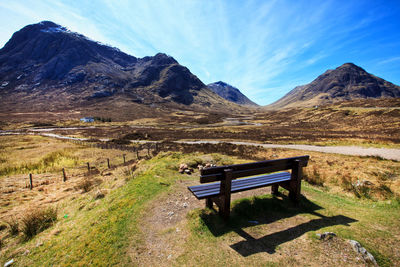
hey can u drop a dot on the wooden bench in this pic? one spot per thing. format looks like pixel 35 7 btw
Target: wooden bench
pixel 222 181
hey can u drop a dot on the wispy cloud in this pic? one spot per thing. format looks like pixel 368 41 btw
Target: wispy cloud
pixel 265 48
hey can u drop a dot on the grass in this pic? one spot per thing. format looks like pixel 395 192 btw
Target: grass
pixel 92 231
pixel 278 230
pixel 37 154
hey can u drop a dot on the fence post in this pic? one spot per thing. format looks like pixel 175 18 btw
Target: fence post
pixel 123 155
pixel 108 163
pixel 137 153
pixel 64 176
pixel 30 181
pixel 88 167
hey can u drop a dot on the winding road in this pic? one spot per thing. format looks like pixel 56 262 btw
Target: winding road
pixel 385 153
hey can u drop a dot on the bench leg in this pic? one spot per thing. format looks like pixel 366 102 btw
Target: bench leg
pixel 209 203
pixel 295 183
pixel 226 208
pixel 274 189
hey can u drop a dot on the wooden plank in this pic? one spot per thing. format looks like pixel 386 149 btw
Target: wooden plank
pixel 249 169
pixel 215 191
pixel 248 183
pixel 255 165
pixel 245 173
pixel 242 180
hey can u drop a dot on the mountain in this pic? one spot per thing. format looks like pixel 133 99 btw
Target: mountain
pixel 46 67
pixel 347 82
pixel 230 93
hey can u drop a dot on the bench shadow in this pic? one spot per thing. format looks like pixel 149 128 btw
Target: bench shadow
pixel 261 210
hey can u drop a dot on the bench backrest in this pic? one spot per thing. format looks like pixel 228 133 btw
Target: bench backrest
pixel 248 169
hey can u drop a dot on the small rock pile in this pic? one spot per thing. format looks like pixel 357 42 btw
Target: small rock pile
pixel 184 168
pixel 208 165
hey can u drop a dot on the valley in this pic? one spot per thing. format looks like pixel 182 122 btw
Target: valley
pixel 92 141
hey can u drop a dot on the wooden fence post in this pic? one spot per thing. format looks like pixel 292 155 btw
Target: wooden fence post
pixel 108 163
pixel 124 158
pixel 137 153
pixel 64 176
pixel 88 167
pixel 30 181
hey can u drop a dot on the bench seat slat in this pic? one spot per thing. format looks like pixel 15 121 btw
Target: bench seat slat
pixel 213 189
pixel 216 192
pixel 237 181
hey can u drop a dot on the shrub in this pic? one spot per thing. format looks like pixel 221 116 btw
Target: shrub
pixel 313 177
pixel 86 184
pixel 37 221
pixel 14 226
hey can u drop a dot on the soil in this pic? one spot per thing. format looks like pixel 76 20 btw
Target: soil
pixel 165 232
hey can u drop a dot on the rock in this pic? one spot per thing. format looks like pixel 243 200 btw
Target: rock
pixel 99 195
pixel 26 252
pixel 185 205
pixel 187 171
pixel 169 257
pixel 38 244
pixel 362 183
pixel 8 263
pixel 200 167
pixel 170 214
pixel 326 235
pixel 363 252
pixel 183 166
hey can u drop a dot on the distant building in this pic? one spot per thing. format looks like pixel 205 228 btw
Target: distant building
pixel 87 119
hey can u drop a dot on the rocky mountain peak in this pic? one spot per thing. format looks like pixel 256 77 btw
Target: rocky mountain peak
pixel 230 93
pixel 346 82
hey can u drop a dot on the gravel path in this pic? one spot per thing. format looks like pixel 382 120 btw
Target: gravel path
pixel 386 153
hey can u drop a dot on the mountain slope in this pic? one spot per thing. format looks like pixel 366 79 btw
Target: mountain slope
pixel 52 68
pixel 230 93
pixel 347 82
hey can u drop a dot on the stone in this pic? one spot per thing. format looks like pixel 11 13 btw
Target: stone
pixel 8 263
pixel 26 252
pixel 185 205
pixel 98 195
pixel 363 252
pixel 326 235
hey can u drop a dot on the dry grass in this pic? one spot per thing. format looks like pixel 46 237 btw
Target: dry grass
pixel 337 173
pixel 37 220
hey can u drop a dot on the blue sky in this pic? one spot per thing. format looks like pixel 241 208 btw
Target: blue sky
pixel 264 48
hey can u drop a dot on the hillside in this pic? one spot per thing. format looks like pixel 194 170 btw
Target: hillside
pixel 140 213
pixel 51 68
pixel 347 82
pixel 231 93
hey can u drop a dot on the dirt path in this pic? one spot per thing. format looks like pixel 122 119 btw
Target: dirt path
pixel 166 234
